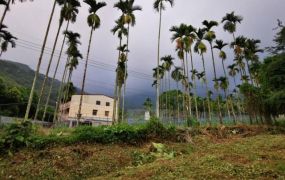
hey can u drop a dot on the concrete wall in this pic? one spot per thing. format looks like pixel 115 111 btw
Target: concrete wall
pixel 89 104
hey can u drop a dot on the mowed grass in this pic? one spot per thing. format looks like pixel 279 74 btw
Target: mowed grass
pixel 256 157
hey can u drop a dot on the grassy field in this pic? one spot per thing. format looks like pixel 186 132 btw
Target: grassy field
pixel 207 156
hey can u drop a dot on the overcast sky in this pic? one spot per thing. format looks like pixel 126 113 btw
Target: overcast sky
pixel 28 22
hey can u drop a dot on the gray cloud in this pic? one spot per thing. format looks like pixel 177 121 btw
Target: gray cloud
pixel 29 20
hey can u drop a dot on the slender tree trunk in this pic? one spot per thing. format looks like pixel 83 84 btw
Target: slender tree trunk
pixel 158 58
pixel 125 74
pixel 169 102
pixel 250 76
pixel 60 92
pixel 238 101
pixel 65 97
pixel 4 13
pixel 189 99
pixel 227 104
pixel 84 77
pixel 39 64
pixel 194 86
pixel 114 120
pixel 207 89
pixel 119 101
pixel 177 99
pixel 55 72
pixel 217 90
pixel 230 98
pixel 47 71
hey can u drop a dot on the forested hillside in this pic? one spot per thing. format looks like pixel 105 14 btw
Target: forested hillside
pixel 21 75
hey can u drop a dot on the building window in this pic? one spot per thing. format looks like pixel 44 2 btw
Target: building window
pixel 98 103
pixel 107 104
pixel 95 112
pixel 107 113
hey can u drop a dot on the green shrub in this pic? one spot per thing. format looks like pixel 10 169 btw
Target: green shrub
pixel 16 135
pixel 192 122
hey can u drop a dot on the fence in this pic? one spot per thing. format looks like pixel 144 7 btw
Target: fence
pixel 4 120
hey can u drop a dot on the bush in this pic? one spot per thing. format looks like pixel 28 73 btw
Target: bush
pixel 192 122
pixel 16 135
pixel 20 135
pixel 154 128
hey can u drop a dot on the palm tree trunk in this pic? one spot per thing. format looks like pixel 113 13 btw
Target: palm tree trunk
pixel 177 100
pixel 125 75
pixel 60 91
pixel 207 89
pixel 66 92
pixel 84 77
pixel 39 64
pixel 194 86
pixel 230 98
pixel 189 99
pixel 169 103
pixel 4 13
pixel 217 90
pixel 47 71
pixel 55 72
pixel 158 58
pixel 119 101
pixel 238 101
pixel 250 76
pixel 114 120
pixel 228 109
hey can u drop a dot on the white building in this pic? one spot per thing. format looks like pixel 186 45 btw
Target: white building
pixel 96 110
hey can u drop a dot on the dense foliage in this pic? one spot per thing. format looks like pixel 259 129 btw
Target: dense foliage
pixel 267 99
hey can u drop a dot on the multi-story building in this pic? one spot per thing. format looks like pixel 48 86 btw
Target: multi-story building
pixel 96 110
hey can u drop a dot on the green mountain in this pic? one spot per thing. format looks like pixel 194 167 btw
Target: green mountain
pixel 21 75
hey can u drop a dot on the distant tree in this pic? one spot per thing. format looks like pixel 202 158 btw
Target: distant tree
pixel 148 104
pixel 39 64
pixel 279 40
pixel 94 22
pixel 159 6
pixel 231 21
pixel 68 13
pixel 6 39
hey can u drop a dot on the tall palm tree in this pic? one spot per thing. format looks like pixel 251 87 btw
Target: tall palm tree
pixel 210 36
pixel 73 56
pixel 127 8
pixel 251 48
pixel 222 54
pixel 181 36
pixel 94 22
pixel 68 13
pixel 159 6
pixel 239 46
pixel 201 49
pixel 70 7
pixel 220 45
pixel 176 75
pixel 121 78
pixel 39 64
pixel 161 74
pixel 224 86
pixel 231 21
pixel 189 41
pixel 121 30
pixel 233 71
pixel 6 39
pixel 167 64
pixel 7 7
